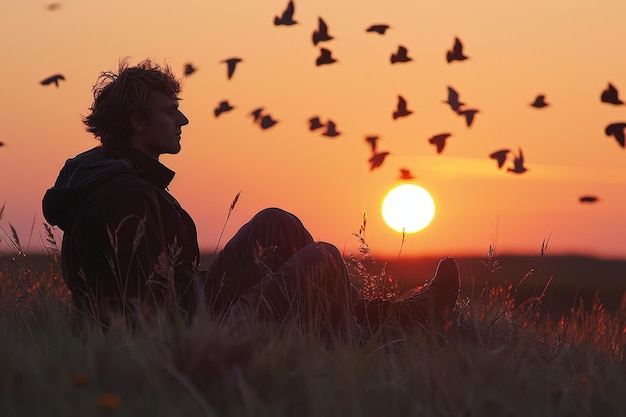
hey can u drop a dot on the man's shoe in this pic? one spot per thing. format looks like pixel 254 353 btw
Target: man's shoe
pixel 431 302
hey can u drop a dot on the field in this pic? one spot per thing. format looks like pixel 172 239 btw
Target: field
pixel 510 349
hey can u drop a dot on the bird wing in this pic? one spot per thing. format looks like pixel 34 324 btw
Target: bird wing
pixel 453 98
pixel 373 141
pixel 500 156
pixel 377 160
pixel 289 11
pixel 458 47
pixel 323 28
pixel 378 29
pixel 401 104
pixel 439 141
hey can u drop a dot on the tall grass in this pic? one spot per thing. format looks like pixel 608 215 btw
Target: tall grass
pixel 495 357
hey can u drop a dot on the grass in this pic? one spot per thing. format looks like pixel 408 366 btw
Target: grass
pixel 497 356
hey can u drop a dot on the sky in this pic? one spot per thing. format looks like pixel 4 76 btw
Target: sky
pixel 568 51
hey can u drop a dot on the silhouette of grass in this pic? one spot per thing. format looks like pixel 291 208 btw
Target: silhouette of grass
pixel 495 357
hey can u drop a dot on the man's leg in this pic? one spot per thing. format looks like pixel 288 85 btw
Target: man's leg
pixel 312 286
pixel 260 246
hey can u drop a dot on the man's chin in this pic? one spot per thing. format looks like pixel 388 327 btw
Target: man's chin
pixel 174 150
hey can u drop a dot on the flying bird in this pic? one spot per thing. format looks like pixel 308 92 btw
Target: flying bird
pixel 611 95
pixel 223 107
pixel 400 56
pixel 456 53
pixel 267 122
pixel 518 164
pixel 321 34
pixel 453 99
pixel 588 199
pixel 378 28
pixel 315 123
pixel 401 109
pixel 405 174
pixel 331 130
pixel 439 141
pixel 256 113
pixel 325 57
pixel 617 130
pixel 189 69
pixel 500 156
pixel 287 17
pixel 377 160
pixel 373 141
pixel 53 79
pixel 231 64
pixel 53 6
pixel 469 115
pixel 540 102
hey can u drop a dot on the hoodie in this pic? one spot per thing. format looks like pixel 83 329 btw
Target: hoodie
pixel 126 240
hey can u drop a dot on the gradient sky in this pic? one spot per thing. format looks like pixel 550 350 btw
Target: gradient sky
pixel 568 50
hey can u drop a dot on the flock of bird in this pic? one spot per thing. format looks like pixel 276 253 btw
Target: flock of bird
pixel 329 128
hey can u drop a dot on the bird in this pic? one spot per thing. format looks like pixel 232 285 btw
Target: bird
pixel 588 199
pixel 53 6
pixel 453 99
pixel 378 28
pixel 611 95
pixel 518 164
pixel 287 16
pixel 617 130
pixel 405 174
pixel 189 69
pixel 500 156
pixel 325 57
pixel 267 122
pixel 377 159
pixel 373 141
pixel 439 141
pixel 401 109
pixel 331 130
pixel 321 34
pixel 223 107
pixel 315 123
pixel 540 102
pixel 256 113
pixel 469 115
pixel 456 53
pixel 53 79
pixel 231 63
pixel 401 55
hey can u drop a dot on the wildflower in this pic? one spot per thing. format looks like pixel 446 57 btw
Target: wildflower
pixel 80 378
pixel 109 401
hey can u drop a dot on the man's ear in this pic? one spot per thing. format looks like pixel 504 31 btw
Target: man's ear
pixel 136 121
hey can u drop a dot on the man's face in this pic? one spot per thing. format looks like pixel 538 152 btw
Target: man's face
pixel 160 132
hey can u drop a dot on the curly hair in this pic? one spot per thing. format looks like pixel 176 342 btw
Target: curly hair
pixel 118 96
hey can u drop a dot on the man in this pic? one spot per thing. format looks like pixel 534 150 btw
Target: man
pixel 129 247
pixel 126 240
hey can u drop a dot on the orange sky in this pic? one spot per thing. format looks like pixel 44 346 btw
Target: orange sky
pixel 567 50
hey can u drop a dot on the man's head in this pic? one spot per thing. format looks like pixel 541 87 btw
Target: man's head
pixel 137 107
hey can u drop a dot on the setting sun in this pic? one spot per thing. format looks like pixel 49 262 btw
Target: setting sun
pixel 408 208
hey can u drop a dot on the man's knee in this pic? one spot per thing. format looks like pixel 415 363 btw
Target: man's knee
pixel 322 252
pixel 280 227
pixel 331 252
pixel 271 214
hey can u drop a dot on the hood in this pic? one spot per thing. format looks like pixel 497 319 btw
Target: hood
pixel 78 178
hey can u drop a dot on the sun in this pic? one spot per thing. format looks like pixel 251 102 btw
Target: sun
pixel 408 208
